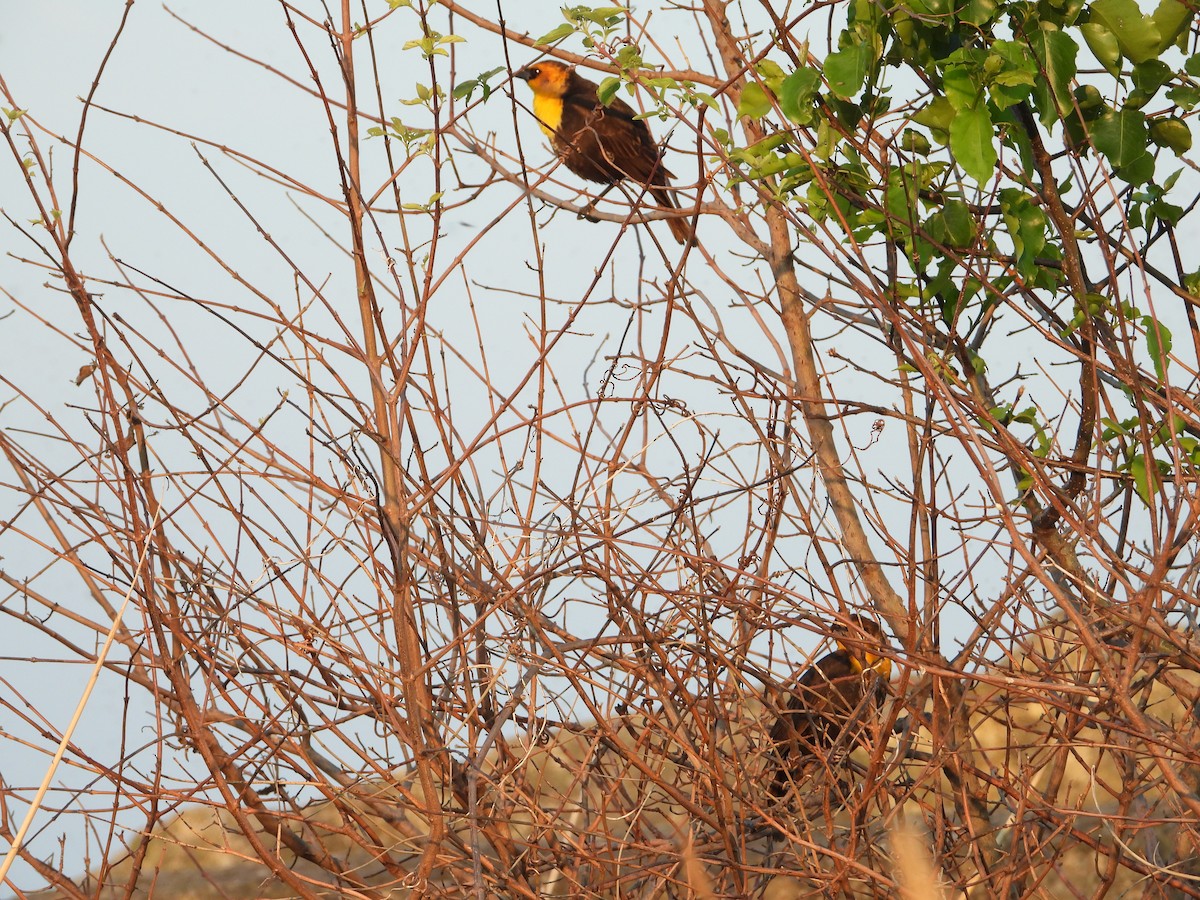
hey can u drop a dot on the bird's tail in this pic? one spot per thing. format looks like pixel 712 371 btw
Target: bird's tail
pixel 680 226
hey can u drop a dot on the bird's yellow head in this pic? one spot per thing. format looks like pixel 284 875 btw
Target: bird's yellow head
pixel 861 642
pixel 547 78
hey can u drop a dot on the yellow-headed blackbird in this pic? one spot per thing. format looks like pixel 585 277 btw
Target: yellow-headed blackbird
pixel 827 697
pixel 597 142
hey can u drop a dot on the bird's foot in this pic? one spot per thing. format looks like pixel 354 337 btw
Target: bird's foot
pixel 588 212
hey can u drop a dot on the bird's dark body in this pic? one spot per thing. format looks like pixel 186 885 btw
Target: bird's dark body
pixel 607 144
pixel 826 700
pixel 602 143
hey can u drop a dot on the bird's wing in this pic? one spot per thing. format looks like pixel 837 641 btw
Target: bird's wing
pixel 589 101
pixel 629 141
pixel 623 139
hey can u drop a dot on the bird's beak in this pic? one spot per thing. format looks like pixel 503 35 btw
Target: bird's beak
pixel 524 74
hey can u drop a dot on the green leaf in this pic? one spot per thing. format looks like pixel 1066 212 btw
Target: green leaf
pixel 1171 18
pixel 1139 171
pixel 1136 99
pixel 963 89
pixel 1191 447
pixel 900 204
pixel 771 74
pixel 754 101
pixel 1090 102
pixel 483 78
pixel 1061 13
pixel 1184 96
pixel 931 8
pixel 767 144
pixel 937 117
pixel 1055 53
pixel 960 224
pixel 846 70
pixel 978 12
pixel 864 13
pixel 1104 46
pixel 796 95
pixel 773 165
pixel 601 15
pixel 1145 477
pixel 1162 211
pixel 971 142
pixel 1026 224
pixel 1121 136
pixel 1158 343
pixel 608 89
pixel 1151 75
pixel 629 57
pixel 913 141
pixel 952 226
pixel 1074 135
pixel 963 79
pixel 1017 74
pixel 564 30
pixel 1173 133
pixel 1137 34
pixel 846 112
pixel 828 138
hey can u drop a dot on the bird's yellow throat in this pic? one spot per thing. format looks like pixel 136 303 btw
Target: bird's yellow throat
pixel 881 665
pixel 549 111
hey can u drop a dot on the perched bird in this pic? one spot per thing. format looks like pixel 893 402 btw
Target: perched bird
pixel 827 697
pixel 601 143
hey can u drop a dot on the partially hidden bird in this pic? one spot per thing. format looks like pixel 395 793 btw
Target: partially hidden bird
pixel 827 699
pixel 605 144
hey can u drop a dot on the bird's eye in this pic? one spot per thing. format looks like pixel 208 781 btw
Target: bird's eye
pixel 536 71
